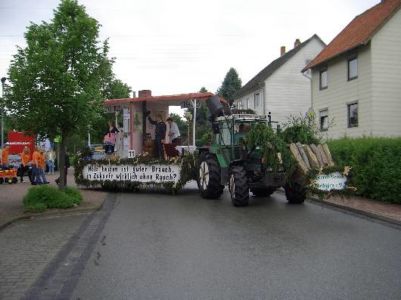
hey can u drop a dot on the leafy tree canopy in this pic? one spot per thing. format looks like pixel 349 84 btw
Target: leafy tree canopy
pixel 58 81
pixel 230 86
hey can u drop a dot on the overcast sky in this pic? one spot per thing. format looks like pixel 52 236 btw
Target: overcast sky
pixel 178 46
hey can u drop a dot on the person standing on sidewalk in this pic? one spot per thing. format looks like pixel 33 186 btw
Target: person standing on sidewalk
pixel 42 167
pixel 50 159
pixel 35 167
pixel 4 157
pixel 25 164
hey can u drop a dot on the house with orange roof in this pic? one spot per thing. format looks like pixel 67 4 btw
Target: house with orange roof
pixel 356 79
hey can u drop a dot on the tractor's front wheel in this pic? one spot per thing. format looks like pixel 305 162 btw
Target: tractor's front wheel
pixel 238 186
pixel 209 179
pixel 295 193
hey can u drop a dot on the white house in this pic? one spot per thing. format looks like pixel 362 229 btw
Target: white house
pixel 281 88
pixel 356 79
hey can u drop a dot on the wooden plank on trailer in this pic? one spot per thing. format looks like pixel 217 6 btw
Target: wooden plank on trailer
pixel 295 152
pixel 318 155
pixel 314 163
pixel 328 155
pixel 324 157
pixel 303 155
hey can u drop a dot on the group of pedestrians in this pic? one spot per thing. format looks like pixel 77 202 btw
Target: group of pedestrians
pixel 35 165
pixel 32 164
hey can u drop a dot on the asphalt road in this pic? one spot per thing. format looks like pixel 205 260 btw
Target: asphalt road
pixel 158 246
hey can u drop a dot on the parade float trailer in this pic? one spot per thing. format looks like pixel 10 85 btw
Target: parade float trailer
pixel 226 161
pixel 133 164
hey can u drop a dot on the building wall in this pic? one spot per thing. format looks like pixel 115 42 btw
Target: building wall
pixel 288 91
pixel 386 79
pixel 248 101
pixel 340 92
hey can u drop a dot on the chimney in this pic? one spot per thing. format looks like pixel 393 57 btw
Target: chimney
pixel 282 50
pixel 297 43
pixel 144 93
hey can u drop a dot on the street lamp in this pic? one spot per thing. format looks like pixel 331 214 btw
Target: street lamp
pixel 3 81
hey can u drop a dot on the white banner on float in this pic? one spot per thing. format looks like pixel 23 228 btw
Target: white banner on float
pixel 135 173
pixel 332 181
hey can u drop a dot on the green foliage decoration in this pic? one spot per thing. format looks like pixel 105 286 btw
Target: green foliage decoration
pixel 269 143
pixel 300 129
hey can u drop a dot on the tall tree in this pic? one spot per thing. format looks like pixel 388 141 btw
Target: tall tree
pixel 116 89
pixel 57 81
pixel 230 86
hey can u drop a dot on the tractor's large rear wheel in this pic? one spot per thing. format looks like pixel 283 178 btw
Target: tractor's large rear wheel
pixel 238 186
pixel 209 179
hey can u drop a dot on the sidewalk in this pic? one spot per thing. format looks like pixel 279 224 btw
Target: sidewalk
pixel 375 209
pixel 11 196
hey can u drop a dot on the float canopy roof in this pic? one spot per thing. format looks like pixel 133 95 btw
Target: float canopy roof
pixel 168 99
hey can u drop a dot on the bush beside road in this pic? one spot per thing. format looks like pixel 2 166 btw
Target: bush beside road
pixel 376 166
pixel 11 200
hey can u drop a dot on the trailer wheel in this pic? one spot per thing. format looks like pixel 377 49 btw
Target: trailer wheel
pixel 238 186
pixel 295 193
pixel 263 192
pixel 209 179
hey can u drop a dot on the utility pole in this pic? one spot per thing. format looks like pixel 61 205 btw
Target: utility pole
pixel 3 81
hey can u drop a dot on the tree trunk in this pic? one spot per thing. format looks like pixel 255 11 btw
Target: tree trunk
pixel 62 179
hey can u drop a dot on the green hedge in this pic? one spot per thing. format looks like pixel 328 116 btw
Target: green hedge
pixel 376 166
pixel 40 198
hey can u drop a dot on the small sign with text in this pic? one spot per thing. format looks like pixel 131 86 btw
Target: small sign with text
pixel 332 181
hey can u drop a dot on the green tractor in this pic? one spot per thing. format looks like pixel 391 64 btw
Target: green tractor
pixel 228 161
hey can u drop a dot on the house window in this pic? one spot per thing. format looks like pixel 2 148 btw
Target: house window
pixel 352 109
pixel 323 79
pixel 256 100
pixel 352 68
pixel 324 119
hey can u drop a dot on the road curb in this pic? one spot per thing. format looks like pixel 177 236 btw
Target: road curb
pixel 68 211
pixel 316 200
pixel 355 211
